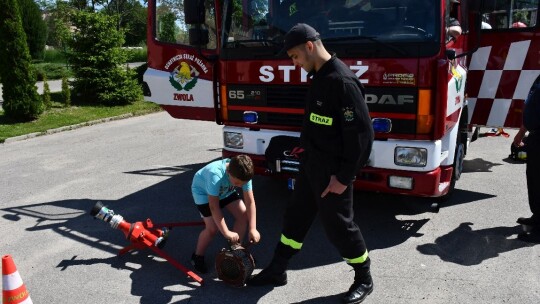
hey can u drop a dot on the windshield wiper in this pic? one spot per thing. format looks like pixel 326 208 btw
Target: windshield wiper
pixel 370 38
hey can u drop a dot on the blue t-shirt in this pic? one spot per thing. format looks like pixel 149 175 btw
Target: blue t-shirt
pixel 213 180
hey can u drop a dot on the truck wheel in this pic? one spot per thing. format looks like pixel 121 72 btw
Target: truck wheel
pixel 457 167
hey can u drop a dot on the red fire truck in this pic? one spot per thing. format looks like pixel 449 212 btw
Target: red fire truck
pixel 426 91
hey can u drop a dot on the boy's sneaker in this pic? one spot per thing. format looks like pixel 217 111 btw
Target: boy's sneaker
pixel 198 262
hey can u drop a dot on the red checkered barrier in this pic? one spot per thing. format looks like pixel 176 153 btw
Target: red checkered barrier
pixel 499 79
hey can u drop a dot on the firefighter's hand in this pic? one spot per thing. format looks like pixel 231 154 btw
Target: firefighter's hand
pixel 518 140
pixel 254 236
pixel 334 186
pixel 232 237
pixel 518 144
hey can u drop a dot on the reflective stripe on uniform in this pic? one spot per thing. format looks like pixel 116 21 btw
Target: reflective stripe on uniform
pixel 358 260
pixel 321 120
pixel 290 242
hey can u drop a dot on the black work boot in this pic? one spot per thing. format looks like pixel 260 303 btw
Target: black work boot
pixel 361 288
pixel 530 237
pixel 529 221
pixel 274 274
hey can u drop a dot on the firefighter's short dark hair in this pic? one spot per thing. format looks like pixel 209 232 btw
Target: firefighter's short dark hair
pixel 241 167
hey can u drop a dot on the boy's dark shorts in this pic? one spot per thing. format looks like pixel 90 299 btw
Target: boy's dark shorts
pixel 205 209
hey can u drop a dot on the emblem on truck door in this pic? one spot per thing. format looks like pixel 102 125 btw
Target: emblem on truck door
pixel 184 77
pixel 186 71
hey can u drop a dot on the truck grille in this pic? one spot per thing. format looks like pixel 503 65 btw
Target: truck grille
pixel 286 96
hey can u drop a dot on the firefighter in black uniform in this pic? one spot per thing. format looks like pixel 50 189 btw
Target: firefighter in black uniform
pixel 531 123
pixel 337 136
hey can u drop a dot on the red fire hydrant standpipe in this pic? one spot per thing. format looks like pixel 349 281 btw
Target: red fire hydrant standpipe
pixel 144 235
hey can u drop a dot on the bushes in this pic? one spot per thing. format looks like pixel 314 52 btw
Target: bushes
pixel 54 56
pixel 136 54
pixel 46 94
pixel 139 72
pixel 66 92
pixel 51 70
pixel 96 59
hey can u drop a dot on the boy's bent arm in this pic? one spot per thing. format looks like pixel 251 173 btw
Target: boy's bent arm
pixel 217 215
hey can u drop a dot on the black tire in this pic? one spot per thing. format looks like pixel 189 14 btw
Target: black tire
pixel 457 166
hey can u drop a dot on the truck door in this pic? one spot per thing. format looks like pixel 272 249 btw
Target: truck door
pixel 503 69
pixel 181 41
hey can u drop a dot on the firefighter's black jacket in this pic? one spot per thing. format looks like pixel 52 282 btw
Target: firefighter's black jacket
pixel 337 133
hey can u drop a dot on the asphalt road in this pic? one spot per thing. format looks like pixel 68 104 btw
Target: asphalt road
pixel 464 252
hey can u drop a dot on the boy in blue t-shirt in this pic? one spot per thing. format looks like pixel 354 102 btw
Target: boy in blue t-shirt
pixel 215 187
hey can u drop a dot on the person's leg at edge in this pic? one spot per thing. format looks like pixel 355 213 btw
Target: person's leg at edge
pixel 337 216
pixel 298 217
pixel 533 190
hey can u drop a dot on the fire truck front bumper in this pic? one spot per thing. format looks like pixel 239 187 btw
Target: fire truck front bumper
pixel 429 184
pixel 409 167
pixel 434 183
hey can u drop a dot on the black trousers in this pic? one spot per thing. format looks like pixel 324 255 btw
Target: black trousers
pixel 335 212
pixel 533 172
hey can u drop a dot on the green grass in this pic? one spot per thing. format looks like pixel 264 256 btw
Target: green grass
pixel 59 116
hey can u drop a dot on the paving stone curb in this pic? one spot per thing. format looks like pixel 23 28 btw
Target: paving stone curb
pixel 67 128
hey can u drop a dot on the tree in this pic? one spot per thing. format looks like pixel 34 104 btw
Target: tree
pixel 167 28
pixel 58 24
pixel 132 17
pixel 135 24
pixel 34 26
pixel 96 58
pixel 21 100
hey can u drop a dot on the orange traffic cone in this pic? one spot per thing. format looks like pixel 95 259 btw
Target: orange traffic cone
pixel 13 289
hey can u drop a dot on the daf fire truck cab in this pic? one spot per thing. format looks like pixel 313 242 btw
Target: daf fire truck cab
pixel 425 90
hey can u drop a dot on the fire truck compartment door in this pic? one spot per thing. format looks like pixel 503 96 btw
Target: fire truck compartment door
pixel 183 89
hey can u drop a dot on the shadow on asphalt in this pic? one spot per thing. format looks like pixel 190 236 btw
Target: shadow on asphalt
pixel 510 160
pixel 478 165
pixel 466 246
pixel 384 221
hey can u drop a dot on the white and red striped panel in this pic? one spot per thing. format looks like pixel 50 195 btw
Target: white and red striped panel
pixel 499 79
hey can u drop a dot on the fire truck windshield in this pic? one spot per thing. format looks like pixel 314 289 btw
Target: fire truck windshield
pixel 262 23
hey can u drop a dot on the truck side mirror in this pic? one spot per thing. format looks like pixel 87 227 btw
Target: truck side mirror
pixel 475 5
pixel 194 12
pixel 451 54
pixel 488 5
pixel 198 36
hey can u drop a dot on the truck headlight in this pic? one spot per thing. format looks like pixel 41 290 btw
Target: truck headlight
pixel 233 140
pixel 411 157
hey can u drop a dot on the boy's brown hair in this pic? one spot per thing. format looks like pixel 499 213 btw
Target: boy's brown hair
pixel 241 167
